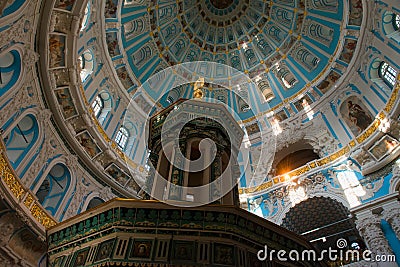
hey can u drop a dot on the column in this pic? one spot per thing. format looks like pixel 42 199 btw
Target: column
pixel 369 227
pixel 391 214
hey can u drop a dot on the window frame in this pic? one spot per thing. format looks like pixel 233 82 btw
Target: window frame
pixel 98 102
pixel 396 21
pixel 388 74
pixel 122 137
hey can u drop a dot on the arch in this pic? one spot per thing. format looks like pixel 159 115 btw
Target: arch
pixel 54 187
pixel 285 77
pixel 306 58
pixel 288 154
pixel 122 138
pixel 325 5
pixel 278 217
pixel 92 200
pixel 391 25
pixel 356 115
pixel 375 75
pixel 87 64
pixel 387 73
pixel 266 89
pixel 102 105
pixel 142 56
pixel 130 145
pixel 11 10
pixel 321 219
pixel 10 70
pixel 21 139
pixel 319 32
pixel 86 16
pixel 395 179
pixel 295 160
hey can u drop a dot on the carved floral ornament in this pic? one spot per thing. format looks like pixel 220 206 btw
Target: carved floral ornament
pixel 312 166
pixel 20 193
pixel 338 155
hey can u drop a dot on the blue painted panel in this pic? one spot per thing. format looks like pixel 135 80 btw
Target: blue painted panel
pixel 10 70
pixel 12 8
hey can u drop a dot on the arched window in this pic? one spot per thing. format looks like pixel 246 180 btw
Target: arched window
pixel 10 70
pixel 21 139
pixel 94 203
pixel 102 106
pixel 86 64
pixel 388 74
pixel 9 7
pixel 85 19
pixel 122 137
pixel 391 25
pixel 98 105
pixel 396 21
pixel 54 187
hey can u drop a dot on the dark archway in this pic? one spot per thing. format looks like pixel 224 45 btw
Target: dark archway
pixel 295 160
pixel 322 221
pixel 94 203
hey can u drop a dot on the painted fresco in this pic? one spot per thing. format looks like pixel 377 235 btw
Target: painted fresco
pixel 111 9
pixel 81 257
pixel 348 50
pixel 105 250
pixel 132 186
pixel 252 129
pixel 281 115
pixel 124 78
pixel 65 4
pixel 65 100
pixel 302 103
pixel 356 115
pixel 383 147
pixel 141 249
pixel 356 10
pixel 184 251
pixel 117 174
pixel 88 144
pixel 223 254
pixel 65 22
pixel 57 51
pixel 112 44
pixel 329 82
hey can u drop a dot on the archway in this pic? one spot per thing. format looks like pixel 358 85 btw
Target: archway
pixel 293 157
pixel 94 202
pixel 322 221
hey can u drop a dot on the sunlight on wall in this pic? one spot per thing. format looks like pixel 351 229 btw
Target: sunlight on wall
pixel 351 187
pixel 384 126
pixel 276 127
pixel 297 195
pixel 307 109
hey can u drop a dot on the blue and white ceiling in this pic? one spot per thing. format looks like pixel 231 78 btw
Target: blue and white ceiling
pixel 287 48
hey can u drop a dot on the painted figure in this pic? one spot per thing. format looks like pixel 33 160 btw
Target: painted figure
pixel 358 116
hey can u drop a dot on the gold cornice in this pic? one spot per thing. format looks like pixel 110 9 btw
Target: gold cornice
pixel 371 130
pixel 13 183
